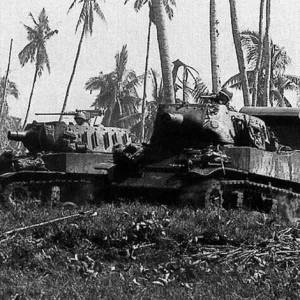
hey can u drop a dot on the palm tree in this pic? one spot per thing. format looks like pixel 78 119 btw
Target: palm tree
pixel 214 48
pixel 239 52
pixel 138 4
pixel 279 81
pixel 86 17
pixel 118 94
pixel 35 50
pixel 163 45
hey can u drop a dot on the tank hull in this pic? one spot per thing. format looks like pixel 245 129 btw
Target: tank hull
pixel 253 178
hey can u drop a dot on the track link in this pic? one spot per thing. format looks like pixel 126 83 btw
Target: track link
pixel 261 197
pixel 52 188
pixel 244 194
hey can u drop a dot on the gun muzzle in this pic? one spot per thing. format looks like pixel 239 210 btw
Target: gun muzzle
pixel 172 118
pixel 16 135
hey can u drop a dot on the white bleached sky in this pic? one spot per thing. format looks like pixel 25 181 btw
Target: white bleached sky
pixel 188 38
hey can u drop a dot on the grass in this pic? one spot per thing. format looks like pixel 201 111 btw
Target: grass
pixel 143 251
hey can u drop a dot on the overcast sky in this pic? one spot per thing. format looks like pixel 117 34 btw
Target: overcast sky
pixel 188 37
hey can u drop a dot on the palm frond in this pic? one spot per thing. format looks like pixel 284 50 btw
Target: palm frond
pixel 132 81
pixel 99 12
pixel 232 81
pixel 279 59
pixel 103 101
pixel 95 83
pixel 173 3
pixel 43 20
pixel 129 75
pixel 42 58
pixel 200 89
pixel 253 35
pixel 82 18
pixel 90 18
pixel 50 34
pixel 32 34
pixel 72 5
pixel 28 53
pixel 121 61
pixel 168 8
pixel 294 79
pixel 33 19
pixel 138 4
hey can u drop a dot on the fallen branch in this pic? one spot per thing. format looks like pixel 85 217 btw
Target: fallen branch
pixel 18 230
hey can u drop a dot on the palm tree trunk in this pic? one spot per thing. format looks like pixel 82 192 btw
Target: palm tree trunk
pixel 239 52
pixel 184 82
pixel 73 73
pixel 30 97
pixel 214 48
pixel 163 45
pixel 268 55
pixel 145 80
pixel 260 52
pixel 5 80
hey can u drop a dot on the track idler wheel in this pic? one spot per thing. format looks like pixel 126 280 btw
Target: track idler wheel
pixel 203 194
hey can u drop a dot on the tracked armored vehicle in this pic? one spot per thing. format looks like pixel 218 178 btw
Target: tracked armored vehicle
pixel 199 155
pixel 66 162
pixel 208 154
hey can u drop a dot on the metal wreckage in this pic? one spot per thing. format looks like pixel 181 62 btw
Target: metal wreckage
pixel 199 155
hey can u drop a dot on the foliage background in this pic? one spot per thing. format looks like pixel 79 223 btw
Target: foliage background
pixel 189 30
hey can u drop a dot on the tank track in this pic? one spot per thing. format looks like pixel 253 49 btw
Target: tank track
pixel 51 187
pixel 244 194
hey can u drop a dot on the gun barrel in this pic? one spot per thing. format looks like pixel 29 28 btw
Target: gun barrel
pixel 54 114
pixel 16 135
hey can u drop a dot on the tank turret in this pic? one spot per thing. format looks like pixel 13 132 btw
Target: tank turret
pixel 180 126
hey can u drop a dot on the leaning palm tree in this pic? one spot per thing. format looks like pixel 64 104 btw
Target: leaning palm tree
pixel 86 18
pixel 138 4
pixel 239 52
pixel 35 50
pixel 118 93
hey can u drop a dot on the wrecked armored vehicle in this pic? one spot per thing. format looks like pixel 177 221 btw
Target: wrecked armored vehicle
pixel 199 154
pixel 69 162
pixel 208 154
